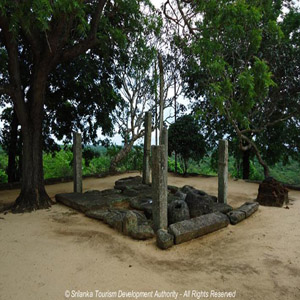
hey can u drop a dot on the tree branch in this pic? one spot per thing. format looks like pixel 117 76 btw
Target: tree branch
pixel 14 71
pixel 270 124
pixel 84 45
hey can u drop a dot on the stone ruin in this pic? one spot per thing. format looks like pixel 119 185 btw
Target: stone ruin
pixel 272 193
pixel 128 208
pixel 141 210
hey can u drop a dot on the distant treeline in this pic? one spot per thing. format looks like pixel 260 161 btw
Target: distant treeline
pixel 96 160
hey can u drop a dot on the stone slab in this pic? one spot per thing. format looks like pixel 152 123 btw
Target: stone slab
pixel 242 212
pixel 196 227
pixel 90 201
pixel 128 222
pixel 249 208
pixel 223 208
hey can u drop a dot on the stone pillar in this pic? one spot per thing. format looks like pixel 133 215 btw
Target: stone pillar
pixel 223 171
pixel 77 162
pixel 159 188
pixel 163 140
pixel 147 148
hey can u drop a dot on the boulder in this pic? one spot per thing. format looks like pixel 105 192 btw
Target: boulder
pixel 199 204
pixel 187 189
pixel 236 216
pixel 164 240
pixel 172 197
pixel 130 222
pixel 130 192
pixel 189 229
pixel 142 232
pixel 172 189
pixel 178 211
pixel 180 195
pixel 112 217
pixel 144 204
pixel 122 183
pixel 272 193
pixel 221 207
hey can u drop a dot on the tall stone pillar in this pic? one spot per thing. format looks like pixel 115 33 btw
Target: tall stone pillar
pixel 147 148
pixel 77 162
pixel 223 171
pixel 163 140
pixel 159 188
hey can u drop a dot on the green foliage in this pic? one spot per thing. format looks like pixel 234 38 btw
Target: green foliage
pixel 240 66
pixel 97 165
pixel 3 166
pixel 171 165
pixel 132 161
pixel 58 164
pixel 186 139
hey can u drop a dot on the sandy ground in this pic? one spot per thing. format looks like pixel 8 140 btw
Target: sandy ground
pixel 45 253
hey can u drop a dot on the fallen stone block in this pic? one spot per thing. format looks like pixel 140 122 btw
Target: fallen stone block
pixel 142 232
pixel 164 239
pixel 236 216
pixel 249 208
pixel 144 204
pixel 122 183
pixel 189 189
pixel 199 204
pixel 114 218
pixel 196 227
pixel 246 210
pixel 130 222
pixel 82 202
pixel 221 207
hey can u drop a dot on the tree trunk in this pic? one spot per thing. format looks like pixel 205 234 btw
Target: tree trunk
pixel 185 163
pixel 120 156
pixel 12 150
pixel 33 195
pixel 246 164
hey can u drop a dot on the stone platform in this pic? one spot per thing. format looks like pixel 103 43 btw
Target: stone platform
pixel 128 209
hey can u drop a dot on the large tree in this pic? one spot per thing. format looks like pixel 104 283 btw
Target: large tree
pixel 230 48
pixel 48 34
pixel 185 137
pixel 137 83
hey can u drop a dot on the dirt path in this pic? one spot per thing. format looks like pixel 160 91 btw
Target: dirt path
pixel 45 253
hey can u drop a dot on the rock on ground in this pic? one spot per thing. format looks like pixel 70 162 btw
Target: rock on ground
pixel 178 211
pixel 164 239
pixel 244 211
pixel 128 222
pixel 272 193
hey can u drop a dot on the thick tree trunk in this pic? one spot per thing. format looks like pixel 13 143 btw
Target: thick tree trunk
pixel 12 151
pixel 33 195
pixel 246 164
